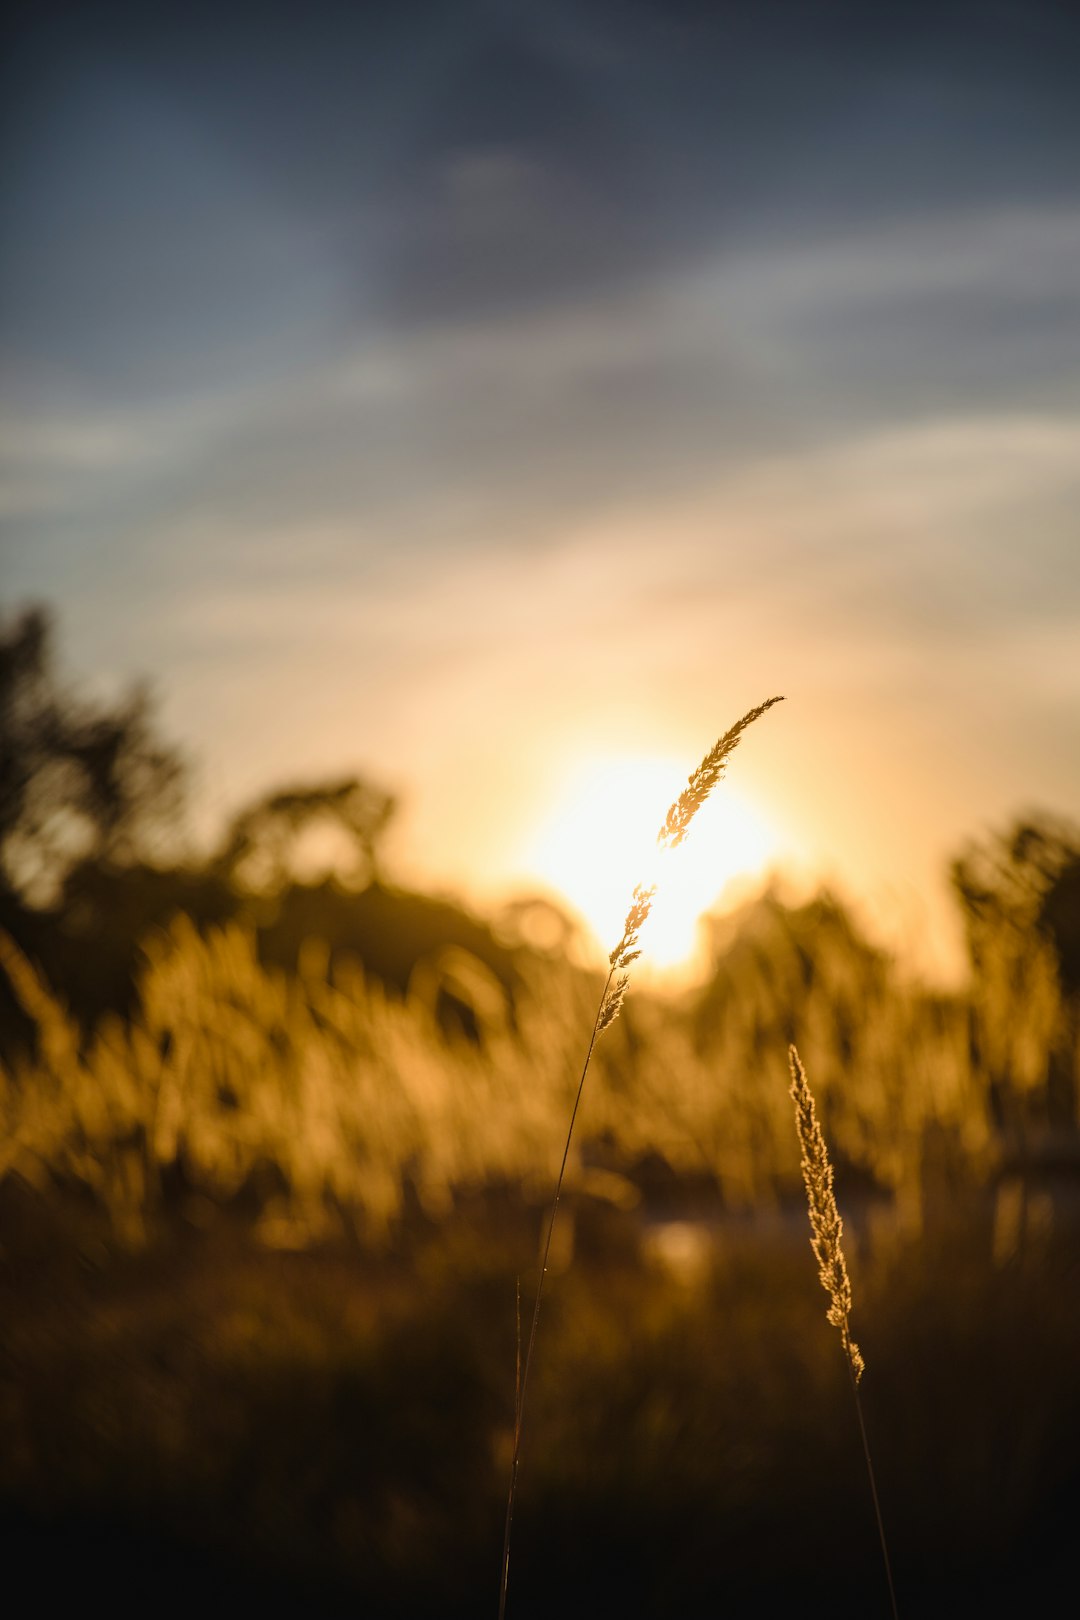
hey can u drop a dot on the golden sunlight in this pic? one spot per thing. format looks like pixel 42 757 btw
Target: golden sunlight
pixel 599 838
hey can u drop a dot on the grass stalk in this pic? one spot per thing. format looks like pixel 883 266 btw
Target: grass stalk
pixel 874 1492
pixel 699 785
pixel 523 1370
pixel 827 1229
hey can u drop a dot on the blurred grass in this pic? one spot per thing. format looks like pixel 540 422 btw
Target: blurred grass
pixel 341 1422
pixel 323 1098
pixel 259 1246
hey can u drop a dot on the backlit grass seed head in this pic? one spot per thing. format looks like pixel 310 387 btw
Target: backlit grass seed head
pixel 825 1222
pixel 702 781
pixel 674 830
pixel 626 950
pixel 611 1006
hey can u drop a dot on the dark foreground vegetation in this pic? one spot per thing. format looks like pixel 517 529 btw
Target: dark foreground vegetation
pixel 328 1430
pixel 276 1154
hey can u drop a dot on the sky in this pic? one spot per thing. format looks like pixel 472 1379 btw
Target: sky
pixel 500 399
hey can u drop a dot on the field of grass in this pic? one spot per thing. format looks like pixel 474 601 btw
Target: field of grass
pixel 261 1244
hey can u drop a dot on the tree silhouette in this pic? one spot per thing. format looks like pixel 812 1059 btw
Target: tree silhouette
pixel 79 782
pixel 261 844
pixel 1020 895
pixel 1026 880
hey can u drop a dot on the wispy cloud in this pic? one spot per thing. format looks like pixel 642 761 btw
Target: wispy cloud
pixel 655 385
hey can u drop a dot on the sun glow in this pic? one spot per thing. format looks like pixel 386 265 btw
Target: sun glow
pixel 599 839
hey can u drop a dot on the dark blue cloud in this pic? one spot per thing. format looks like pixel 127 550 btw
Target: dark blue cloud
pixel 337 264
pixel 195 188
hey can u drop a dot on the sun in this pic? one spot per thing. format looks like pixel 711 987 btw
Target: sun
pixel 599 838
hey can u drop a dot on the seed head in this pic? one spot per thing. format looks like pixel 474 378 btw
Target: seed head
pixel 825 1222
pixel 702 781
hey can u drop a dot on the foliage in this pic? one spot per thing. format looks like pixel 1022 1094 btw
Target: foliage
pixel 1020 895
pixel 78 781
pixel 260 847
pixel 363 1100
pixel 260 1240
pixel 326 1432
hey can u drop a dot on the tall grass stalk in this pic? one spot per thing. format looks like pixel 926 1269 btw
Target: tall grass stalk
pixel 827 1229
pixel 676 824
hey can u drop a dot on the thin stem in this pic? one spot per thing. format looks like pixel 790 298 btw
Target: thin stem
pixel 517 1356
pixel 873 1491
pixel 519 1416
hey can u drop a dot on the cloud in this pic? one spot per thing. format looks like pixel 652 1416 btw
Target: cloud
pixel 631 472
pixel 936 538
pixel 143 256
pixel 650 386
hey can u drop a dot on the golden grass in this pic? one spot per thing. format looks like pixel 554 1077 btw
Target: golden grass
pixel 674 830
pixel 702 781
pixel 825 1222
pixel 360 1100
pixel 827 1229
pixel 355 1094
